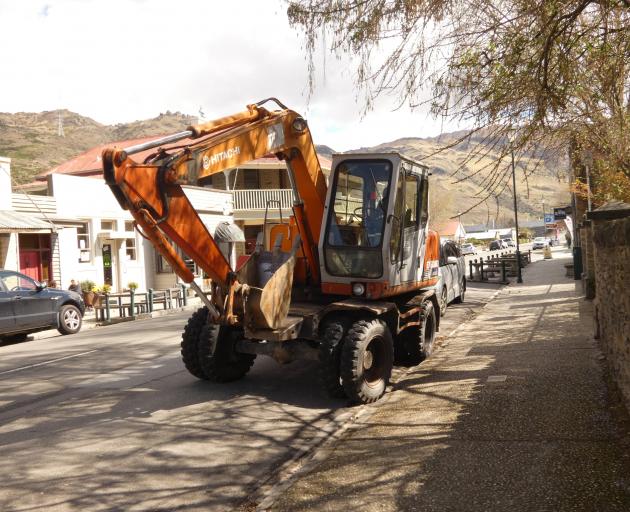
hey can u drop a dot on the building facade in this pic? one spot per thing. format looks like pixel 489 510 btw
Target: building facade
pixel 72 227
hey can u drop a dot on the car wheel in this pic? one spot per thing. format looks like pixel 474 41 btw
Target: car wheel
pixel 69 319
pixel 443 301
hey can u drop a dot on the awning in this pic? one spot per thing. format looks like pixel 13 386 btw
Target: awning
pixel 18 222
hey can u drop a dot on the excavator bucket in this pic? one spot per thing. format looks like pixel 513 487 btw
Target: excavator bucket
pixel 269 275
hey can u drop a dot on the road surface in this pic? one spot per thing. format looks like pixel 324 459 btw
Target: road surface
pixel 108 420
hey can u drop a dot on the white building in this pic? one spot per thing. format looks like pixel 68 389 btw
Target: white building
pixel 70 226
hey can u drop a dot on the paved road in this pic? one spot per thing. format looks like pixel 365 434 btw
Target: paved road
pixel 109 420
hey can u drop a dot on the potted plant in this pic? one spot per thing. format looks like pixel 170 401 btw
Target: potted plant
pixel 132 285
pixel 88 288
pixel 100 293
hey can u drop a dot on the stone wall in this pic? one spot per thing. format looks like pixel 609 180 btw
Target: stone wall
pixel 611 251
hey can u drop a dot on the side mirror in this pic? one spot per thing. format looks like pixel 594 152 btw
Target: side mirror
pixel 451 260
pixel 41 286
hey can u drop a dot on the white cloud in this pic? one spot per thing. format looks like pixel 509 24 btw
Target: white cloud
pixel 118 61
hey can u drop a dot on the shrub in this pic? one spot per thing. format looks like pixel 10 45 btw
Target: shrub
pixel 88 286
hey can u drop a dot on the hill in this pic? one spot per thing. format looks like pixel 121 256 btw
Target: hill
pixel 31 140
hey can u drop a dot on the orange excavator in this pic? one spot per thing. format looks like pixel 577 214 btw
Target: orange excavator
pixel 348 281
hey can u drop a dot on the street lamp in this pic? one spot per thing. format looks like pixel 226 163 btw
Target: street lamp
pixel 519 275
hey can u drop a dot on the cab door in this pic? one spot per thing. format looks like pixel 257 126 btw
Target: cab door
pixel 406 237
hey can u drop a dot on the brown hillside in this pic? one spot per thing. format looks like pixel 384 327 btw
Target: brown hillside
pixel 31 140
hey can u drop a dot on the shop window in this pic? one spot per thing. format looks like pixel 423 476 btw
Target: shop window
pixel 83 243
pixel 130 249
pixel 129 226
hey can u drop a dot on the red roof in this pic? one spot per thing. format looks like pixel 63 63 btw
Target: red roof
pixel 89 163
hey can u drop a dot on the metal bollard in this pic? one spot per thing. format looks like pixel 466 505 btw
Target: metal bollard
pixel 503 275
pixel 108 314
pixel 481 269
pixel 150 300
pixel 471 271
pixel 132 303
pixel 184 297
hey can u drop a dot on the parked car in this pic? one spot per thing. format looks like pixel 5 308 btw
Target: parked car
pixel 540 242
pixel 509 242
pixel 495 245
pixel 451 285
pixel 28 306
pixel 467 249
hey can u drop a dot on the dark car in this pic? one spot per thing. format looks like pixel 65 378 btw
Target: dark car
pixel 28 306
pixel 495 245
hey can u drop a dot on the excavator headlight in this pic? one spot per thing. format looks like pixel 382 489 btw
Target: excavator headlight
pixel 299 125
pixel 358 289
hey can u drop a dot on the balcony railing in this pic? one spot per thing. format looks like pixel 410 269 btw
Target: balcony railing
pixel 251 199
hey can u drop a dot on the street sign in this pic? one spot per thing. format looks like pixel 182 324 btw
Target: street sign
pixel 548 218
pixel 559 213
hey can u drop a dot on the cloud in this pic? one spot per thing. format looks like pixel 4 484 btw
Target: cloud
pixel 119 61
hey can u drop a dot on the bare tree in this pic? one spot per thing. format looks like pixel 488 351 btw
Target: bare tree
pixel 556 71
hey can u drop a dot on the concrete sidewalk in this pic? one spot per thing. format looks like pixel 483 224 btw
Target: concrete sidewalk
pixel 511 414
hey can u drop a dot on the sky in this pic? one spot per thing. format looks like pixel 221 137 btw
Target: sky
pixel 118 61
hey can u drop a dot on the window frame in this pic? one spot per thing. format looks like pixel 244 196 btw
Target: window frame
pixel 88 245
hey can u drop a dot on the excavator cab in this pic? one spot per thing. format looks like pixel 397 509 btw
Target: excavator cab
pixel 376 225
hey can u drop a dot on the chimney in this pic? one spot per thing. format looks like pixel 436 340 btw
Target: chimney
pixel 5 183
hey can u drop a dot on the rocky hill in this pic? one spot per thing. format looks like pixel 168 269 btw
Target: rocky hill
pixel 32 141
pixel 547 180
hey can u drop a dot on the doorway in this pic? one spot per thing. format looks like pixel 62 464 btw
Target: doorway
pixel 35 260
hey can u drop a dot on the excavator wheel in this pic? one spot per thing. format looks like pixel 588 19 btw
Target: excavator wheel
pixel 225 364
pixel 333 332
pixel 367 358
pixel 190 342
pixel 418 341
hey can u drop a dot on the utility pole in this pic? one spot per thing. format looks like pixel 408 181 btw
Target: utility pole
pixel 519 275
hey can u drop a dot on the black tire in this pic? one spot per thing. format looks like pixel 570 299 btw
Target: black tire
pixel 333 332
pixel 225 364
pixel 190 342
pixel 419 341
pixel 70 319
pixel 367 358
pixel 460 299
pixel 443 301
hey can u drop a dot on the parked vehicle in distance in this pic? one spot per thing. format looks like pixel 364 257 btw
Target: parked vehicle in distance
pixel 467 249
pixel 540 242
pixel 495 245
pixel 509 242
pixel 451 285
pixel 28 306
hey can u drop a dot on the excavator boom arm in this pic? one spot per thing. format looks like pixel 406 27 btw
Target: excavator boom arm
pixel 152 190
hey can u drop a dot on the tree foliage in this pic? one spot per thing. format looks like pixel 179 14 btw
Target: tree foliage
pixel 553 72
